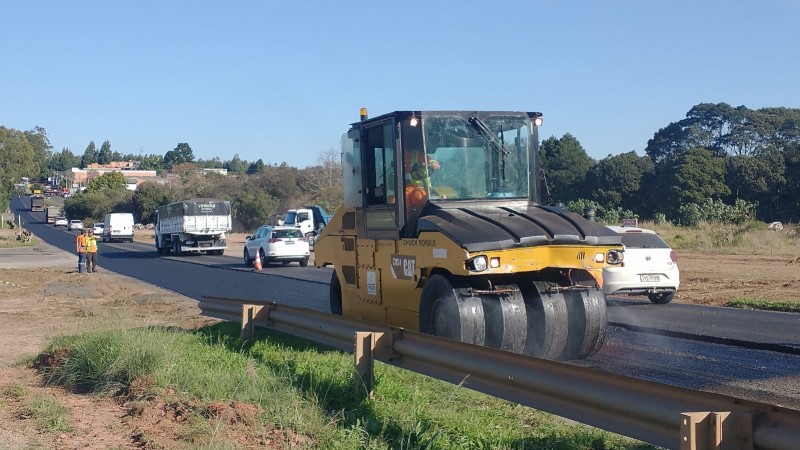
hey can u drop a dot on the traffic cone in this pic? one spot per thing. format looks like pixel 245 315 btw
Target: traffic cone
pixel 257 262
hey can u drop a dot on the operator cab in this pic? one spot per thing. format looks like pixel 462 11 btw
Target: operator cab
pixel 397 165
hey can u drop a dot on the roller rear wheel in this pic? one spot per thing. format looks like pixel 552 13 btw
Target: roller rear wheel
pixel 446 311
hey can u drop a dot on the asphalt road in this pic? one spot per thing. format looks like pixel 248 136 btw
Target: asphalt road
pixel 747 354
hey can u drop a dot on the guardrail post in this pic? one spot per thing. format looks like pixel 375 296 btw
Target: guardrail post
pixel 249 313
pixel 716 431
pixel 368 344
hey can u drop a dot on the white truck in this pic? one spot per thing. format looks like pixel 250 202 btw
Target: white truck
pixel 310 219
pixel 196 225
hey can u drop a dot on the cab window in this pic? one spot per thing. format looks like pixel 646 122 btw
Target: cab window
pixel 379 178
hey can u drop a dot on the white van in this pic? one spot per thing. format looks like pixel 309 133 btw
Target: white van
pixel 118 226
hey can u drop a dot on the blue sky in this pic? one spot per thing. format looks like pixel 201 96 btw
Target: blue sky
pixel 282 81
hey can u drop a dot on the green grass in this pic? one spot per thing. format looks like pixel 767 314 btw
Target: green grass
pixel 48 413
pixel 14 243
pixel 15 390
pixel 770 305
pixel 308 389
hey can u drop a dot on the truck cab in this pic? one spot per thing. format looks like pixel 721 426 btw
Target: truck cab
pixel 310 219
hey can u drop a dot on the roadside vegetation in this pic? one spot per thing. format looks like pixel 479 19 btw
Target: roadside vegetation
pixel 755 303
pixel 14 237
pixel 304 389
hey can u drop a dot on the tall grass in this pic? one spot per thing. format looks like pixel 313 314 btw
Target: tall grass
pixel 751 238
pixel 308 388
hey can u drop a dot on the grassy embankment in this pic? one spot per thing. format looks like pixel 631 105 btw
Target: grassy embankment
pixel 9 239
pixel 308 389
pixel 752 238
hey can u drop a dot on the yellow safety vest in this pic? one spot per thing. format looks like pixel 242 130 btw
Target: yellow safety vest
pixel 91 244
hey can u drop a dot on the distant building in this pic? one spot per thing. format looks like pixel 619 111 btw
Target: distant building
pixel 219 171
pixel 78 178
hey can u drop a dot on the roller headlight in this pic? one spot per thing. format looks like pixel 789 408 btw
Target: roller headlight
pixel 615 257
pixel 477 264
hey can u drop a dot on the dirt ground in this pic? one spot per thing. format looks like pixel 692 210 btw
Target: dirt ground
pixel 46 297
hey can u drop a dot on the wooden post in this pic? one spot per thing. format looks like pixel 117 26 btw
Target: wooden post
pixel 368 344
pixel 249 313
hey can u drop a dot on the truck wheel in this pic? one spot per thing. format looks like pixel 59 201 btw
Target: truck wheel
pixel 176 248
pixel 247 260
pixel 220 252
pixel 303 262
pixel 159 249
pixel 445 312
pixel 335 295
pixel 661 299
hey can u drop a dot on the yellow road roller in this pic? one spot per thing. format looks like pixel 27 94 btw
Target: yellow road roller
pixel 442 231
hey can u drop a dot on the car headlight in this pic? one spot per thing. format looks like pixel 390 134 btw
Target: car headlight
pixel 477 264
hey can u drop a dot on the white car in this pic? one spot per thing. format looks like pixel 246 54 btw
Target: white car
pixel 75 224
pixel 61 221
pixel 97 228
pixel 650 267
pixel 276 244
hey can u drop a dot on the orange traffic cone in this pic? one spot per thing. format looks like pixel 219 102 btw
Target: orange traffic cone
pixel 257 262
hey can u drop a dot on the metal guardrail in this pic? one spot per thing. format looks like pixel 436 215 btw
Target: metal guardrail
pixel 663 415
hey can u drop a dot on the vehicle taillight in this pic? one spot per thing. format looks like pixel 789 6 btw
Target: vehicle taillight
pixel 274 240
pixel 673 256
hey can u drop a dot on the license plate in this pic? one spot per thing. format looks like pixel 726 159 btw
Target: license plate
pixel 289 242
pixel 650 278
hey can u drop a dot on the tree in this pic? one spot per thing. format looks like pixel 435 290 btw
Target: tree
pixel 256 167
pixel 251 209
pixel 149 196
pixel 565 163
pixel 95 205
pixel 107 181
pixel 692 176
pixel 616 180
pixel 40 144
pixel 283 183
pixel 63 160
pixel 182 153
pixel 323 182
pixel 89 156
pixel 17 159
pixel 236 165
pixel 105 155
pixel 757 179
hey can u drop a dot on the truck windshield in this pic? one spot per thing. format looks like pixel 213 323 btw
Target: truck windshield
pixel 477 157
pixel 290 218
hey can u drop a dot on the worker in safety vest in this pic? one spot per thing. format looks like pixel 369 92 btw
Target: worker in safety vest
pixel 91 252
pixel 418 168
pixel 80 247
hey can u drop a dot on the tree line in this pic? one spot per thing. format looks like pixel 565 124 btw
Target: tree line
pixel 717 162
pixel 717 156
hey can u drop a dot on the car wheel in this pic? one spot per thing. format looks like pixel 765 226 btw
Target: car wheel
pixel 247 259
pixel 661 299
pixel 303 262
pixel 263 257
